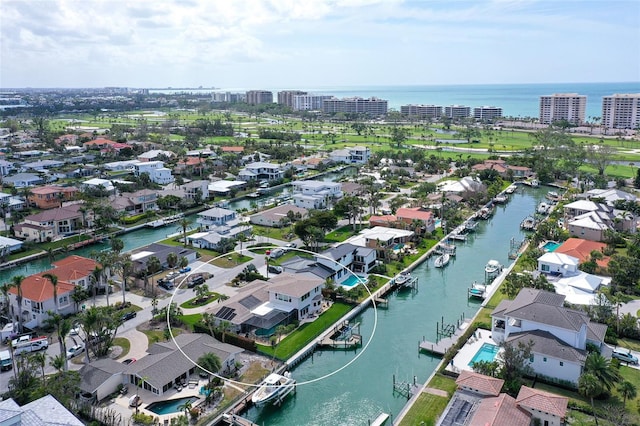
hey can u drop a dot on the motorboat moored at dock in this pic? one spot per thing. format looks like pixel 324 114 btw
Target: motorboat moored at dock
pixel 442 260
pixel 493 267
pixel 273 389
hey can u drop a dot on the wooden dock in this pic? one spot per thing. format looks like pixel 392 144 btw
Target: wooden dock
pixel 380 420
pixel 447 336
pixel 236 420
pixel 353 341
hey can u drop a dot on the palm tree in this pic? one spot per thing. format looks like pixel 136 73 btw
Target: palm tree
pixel 17 283
pixel 58 362
pixel 186 407
pixel 40 359
pixel 628 391
pixel 172 260
pixel 4 290
pixel 62 327
pixel 590 387
pixel 96 279
pixel 184 224
pixel 210 362
pixel 601 368
pixel 153 266
pixel 54 282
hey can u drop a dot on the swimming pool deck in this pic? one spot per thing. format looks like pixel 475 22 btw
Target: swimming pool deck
pixel 471 347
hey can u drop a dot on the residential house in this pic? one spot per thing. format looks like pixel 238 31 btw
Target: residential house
pixel 193 165
pixel 559 334
pixel 382 239
pixel 232 149
pixel 42 165
pixel 352 188
pixel 23 180
pixel 11 203
pixel 609 196
pixel 6 167
pixel 155 154
pixel 261 306
pixel 479 383
pixel 45 411
pixel 76 270
pixel 217 216
pixel 590 220
pixel 278 216
pixel 192 191
pixel 37 300
pixel 50 224
pixel 156 171
pixel 136 202
pixel 226 187
pixel 97 183
pixel 311 194
pixel 351 155
pixel 219 239
pixel 164 366
pixel 141 256
pixel 68 139
pixel 463 187
pixel 345 259
pixel 503 169
pixel 546 408
pixel 411 215
pixel 261 171
pixel 579 288
pixel 581 249
pixel 119 166
pixel 51 196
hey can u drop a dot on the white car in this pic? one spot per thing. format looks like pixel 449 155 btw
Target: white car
pixel 74 351
pixel 75 330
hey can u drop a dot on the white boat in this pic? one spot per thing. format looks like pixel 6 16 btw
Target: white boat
pixel 403 278
pixel 553 196
pixel 493 266
pixel 442 260
pixel 543 208
pixel 511 189
pixel 478 290
pixel 535 183
pixel 273 389
pixel 528 223
pixel 500 199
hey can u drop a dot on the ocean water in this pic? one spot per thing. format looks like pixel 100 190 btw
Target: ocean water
pixel 516 100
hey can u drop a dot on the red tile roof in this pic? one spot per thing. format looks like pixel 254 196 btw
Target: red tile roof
pixel 191 161
pixel 484 384
pixel 232 148
pixel 39 289
pixel 581 249
pixel 542 401
pixel 414 213
pixel 500 411
pixel 53 189
pixel 73 268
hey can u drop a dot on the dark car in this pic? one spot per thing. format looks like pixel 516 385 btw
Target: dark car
pixel 128 316
pixel 129 361
pixel 167 285
pixel 275 269
pixel 194 281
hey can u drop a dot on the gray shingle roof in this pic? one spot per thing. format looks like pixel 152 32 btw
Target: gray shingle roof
pixel 545 308
pixel 97 372
pixel 546 343
pixel 47 411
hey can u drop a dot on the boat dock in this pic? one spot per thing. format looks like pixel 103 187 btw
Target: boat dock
pixel 236 420
pixel 164 221
pixel 343 337
pixel 380 420
pixel 446 336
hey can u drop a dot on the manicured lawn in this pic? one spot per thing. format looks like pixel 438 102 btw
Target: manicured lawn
pixel 230 261
pixel 444 383
pixel 192 319
pixel 632 344
pixel 306 333
pixel 158 335
pixel 425 411
pixel 124 344
pixel 485 313
pixel 340 234
pixel 191 303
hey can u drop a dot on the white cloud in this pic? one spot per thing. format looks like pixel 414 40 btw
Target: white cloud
pixel 271 42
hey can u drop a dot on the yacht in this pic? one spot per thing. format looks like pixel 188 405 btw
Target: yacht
pixel 403 278
pixel 493 266
pixel 442 260
pixel 273 389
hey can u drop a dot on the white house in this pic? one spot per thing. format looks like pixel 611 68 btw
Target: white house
pixel 315 194
pixel 578 287
pixel 156 171
pixel 558 264
pixel 351 155
pixel 23 180
pixel 346 258
pixel 217 216
pixel 6 167
pixel 292 292
pixel 559 334
pixel 95 183
pixel 278 216
pixel 214 240
pixel 261 170
pixel 45 411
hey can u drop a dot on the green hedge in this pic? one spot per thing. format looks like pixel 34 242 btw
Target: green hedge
pixel 129 220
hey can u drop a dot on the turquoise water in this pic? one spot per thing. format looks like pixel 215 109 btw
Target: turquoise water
pixel 398 246
pixel 353 280
pixel 550 246
pixel 170 406
pixel 364 389
pixel 486 353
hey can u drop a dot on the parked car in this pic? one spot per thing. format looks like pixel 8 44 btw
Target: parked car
pixel 75 330
pixel 625 356
pixel 194 281
pixel 129 361
pixel 74 351
pixel 291 245
pixel 129 315
pixel 167 285
pixel 275 269
pixel 185 270
pixel 276 253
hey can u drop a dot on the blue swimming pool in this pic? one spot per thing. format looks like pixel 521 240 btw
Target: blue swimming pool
pixel 353 280
pixel 398 246
pixel 170 406
pixel 550 246
pixel 487 352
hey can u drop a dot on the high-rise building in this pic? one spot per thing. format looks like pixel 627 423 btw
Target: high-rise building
pixel 563 106
pixel 423 111
pixel 285 97
pixel 256 97
pixel 621 111
pixel 457 111
pixel 228 97
pixel 369 106
pixel 487 113
pixel 309 102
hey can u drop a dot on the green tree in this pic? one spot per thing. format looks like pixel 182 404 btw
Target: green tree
pixel 54 282
pixel 602 369
pixel 184 224
pixel 153 267
pixel 590 387
pixel 62 328
pixel 628 391
pixel 211 363
pixel 515 359
pixel 16 281
pixel 172 260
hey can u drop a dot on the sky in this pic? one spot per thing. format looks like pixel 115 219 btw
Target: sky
pixel 264 44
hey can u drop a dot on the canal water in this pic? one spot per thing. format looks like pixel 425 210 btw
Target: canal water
pixel 360 392
pixel 144 236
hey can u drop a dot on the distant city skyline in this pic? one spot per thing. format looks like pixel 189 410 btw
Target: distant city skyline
pixel 271 44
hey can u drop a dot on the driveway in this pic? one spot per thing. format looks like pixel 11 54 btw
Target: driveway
pixel 631 307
